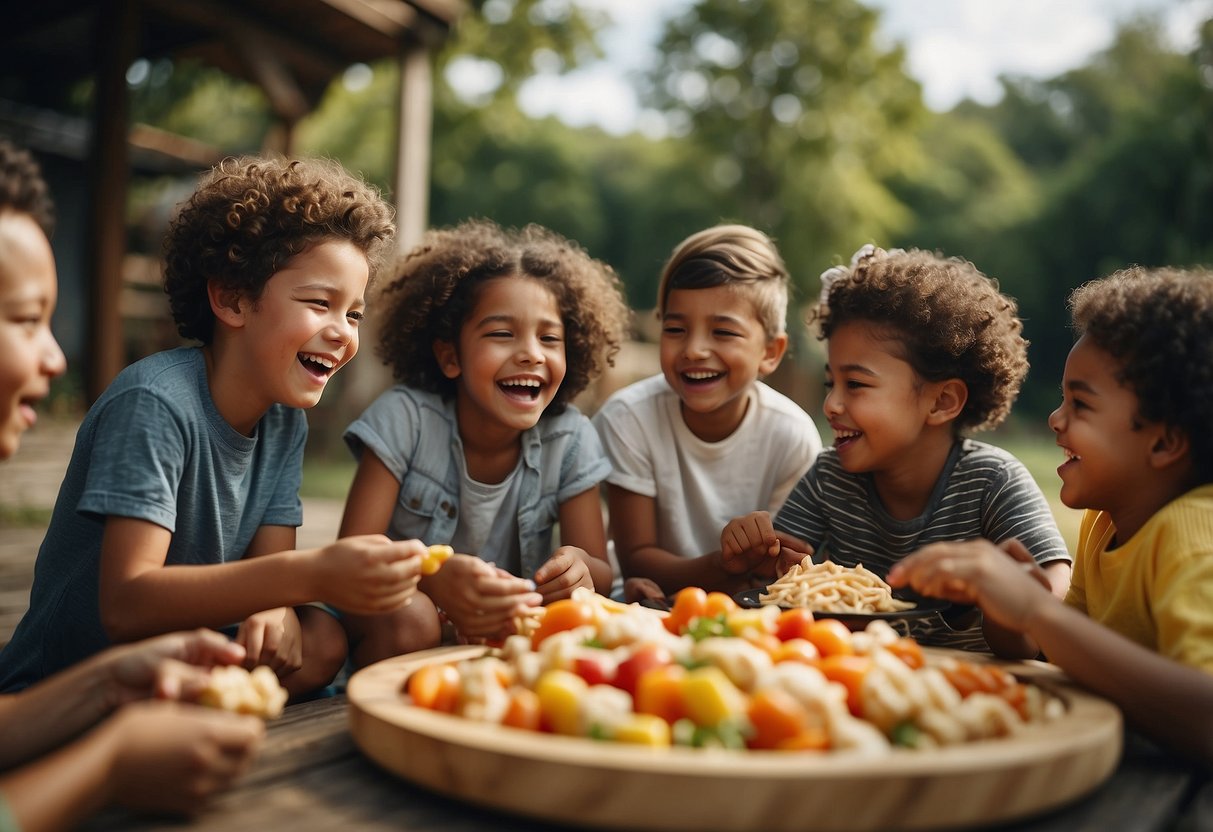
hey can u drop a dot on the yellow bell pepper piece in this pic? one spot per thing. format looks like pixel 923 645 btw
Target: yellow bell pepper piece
pixel 710 698
pixel 644 729
pixel 560 695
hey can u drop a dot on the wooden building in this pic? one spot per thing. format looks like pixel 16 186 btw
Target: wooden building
pixel 291 49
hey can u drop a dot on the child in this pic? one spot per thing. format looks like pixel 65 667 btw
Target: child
pixel 920 349
pixel 50 777
pixel 706 439
pixel 192 457
pixel 1137 402
pixel 491 334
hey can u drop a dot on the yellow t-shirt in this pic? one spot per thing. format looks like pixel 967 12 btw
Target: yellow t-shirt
pixel 1157 587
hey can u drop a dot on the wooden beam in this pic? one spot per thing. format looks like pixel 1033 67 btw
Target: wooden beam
pixel 273 76
pixel 413 144
pixel 117 45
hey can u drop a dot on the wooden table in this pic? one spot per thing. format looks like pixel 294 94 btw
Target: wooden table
pixel 311 776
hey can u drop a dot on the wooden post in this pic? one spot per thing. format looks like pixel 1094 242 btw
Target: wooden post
pixel 117 44
pixel 413 144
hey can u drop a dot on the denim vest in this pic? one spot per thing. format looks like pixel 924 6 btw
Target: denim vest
pixel 561 457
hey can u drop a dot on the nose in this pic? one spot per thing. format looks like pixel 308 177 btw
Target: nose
pixel 832 404
pixel 53 362
pixel 1056 419
pixel 529 351
pixel 697 346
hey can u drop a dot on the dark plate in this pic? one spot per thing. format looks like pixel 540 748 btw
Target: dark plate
pixel 748 598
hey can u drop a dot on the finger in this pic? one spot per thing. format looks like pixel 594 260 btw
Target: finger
pixel 1013 547
pixel 180 681
pixel 253 641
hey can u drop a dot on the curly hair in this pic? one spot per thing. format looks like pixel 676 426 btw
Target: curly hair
pixel 438 283
pixel 249 216
pixel 1156 323
pixel 950 319
pixel 22 188
pixel 737 256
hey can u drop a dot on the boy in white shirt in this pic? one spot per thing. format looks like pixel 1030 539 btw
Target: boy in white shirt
pixel 705 440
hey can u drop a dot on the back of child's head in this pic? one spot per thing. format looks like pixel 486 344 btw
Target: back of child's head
pixel 437 286
pixel 249 216
pixel 949 319
pixel 22 188
pixel 1156 324
pixel 737 256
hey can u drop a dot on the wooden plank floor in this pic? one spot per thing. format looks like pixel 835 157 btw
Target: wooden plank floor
pixel 29 484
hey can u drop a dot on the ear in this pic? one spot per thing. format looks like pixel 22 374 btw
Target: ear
pixel 951 395
pixel 226 304
pixel 448 358
pixel 1171 445
pixel 775 349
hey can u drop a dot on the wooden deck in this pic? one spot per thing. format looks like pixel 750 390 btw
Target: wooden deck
pixel 29 484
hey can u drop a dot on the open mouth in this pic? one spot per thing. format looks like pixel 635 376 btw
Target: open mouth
pixel 317 365
pixel 843 438
pixel 693 377
pixel 522 389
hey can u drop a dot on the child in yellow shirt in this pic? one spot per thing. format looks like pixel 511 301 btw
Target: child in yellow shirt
pixel 1137 403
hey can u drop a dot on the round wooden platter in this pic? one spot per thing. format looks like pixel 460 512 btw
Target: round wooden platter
pixel 616 786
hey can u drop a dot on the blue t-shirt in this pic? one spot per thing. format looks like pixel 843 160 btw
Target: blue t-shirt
pixel 415 434
pixel 155 448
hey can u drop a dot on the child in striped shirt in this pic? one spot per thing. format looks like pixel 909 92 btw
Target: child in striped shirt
pixel 920 350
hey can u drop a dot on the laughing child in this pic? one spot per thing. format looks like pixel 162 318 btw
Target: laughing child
pixel 705 440
pixel 920 349
pixel 491 334
pixel 191 459
pixel 1137 403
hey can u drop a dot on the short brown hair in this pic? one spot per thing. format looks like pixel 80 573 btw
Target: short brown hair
pixel 437 285
pixel 249 216
pixel 22 188
pixel 736 256
pixel 1156 322
pixel 950 318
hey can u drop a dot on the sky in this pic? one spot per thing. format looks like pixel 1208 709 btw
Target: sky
pixel 955 49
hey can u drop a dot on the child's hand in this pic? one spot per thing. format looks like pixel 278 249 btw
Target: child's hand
pixel 640 589
pixel 480 599
pixel 173 666
pixel 563 572
pixel 167 757
pixel 975 572
pixel 273 638
pixel 368 574
pixel 746 541
pixel 792 550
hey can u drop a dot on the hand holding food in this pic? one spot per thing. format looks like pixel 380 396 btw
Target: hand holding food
pixel 240 691
pixel 366 574
pixel 436 555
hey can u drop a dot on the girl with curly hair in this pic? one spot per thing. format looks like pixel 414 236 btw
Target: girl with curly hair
pixel 491 333
pixel 920 349
pixel 192 457
pixel 1133 426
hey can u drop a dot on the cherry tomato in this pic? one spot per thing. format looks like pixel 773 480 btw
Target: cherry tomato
pixel 689 604
pixel 562 615
pixel 659 692
pixel 850 671
pixel 797 650
pixel 831 637
pixel 794 623
pixel 776 717
pixel 523 710
pixel 909 651
pixel 718 603
pixel 644 658
pixel 435 686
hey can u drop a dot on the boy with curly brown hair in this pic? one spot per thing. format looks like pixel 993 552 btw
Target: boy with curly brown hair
pixel 920 349
pixel 492 333
pixel 192 457
pixel 1133 425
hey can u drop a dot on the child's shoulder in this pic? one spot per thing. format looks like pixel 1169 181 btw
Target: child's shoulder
pixel 173 375
pixel 644 394
pixel 772 400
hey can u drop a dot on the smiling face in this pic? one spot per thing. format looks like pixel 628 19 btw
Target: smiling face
pixel 285 346
pixel 1107 450
pixel 713 348
pixel 510 358
pixel 878 407
pixel 29 355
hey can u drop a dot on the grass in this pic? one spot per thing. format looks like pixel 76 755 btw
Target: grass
pixel 327 478
pixel 24 517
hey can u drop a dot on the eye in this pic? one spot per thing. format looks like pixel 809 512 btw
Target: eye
pixel 671 329
pixel 551 339
pixel 828 384
pixel 726 333
pixel 321 302
pixel 355 315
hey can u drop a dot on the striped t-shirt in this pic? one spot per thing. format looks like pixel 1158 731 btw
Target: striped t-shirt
pixel 982 492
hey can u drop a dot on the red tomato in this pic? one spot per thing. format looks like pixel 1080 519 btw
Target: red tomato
pixel 689 604
pixel 596 670
pixel 793 623
pixel 909 651
pixel 659 692
pixel 562 615
pixel 850 671
pixel 797 650
pixel 523 710
pixel 645 657
pixel 718 603
pixel 776 717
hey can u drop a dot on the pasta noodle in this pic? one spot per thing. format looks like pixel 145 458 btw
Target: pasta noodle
pixel 830 587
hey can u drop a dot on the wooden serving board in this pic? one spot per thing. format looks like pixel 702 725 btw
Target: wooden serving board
pixel 616 786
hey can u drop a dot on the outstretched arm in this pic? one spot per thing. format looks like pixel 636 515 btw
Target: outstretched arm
pixel 581 559
pixel 634 527
pixel 1162 698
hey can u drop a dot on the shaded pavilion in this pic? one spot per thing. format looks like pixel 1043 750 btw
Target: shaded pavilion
pixel 291 49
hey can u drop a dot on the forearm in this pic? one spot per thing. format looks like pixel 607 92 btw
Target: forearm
pixel 1163 699
pixel 673 572
pixel 1008 644
pixel 55 710
pixel 600 572
pixel 164 599
pixel 62 788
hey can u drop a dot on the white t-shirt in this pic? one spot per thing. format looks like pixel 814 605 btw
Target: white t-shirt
pixel 700 486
